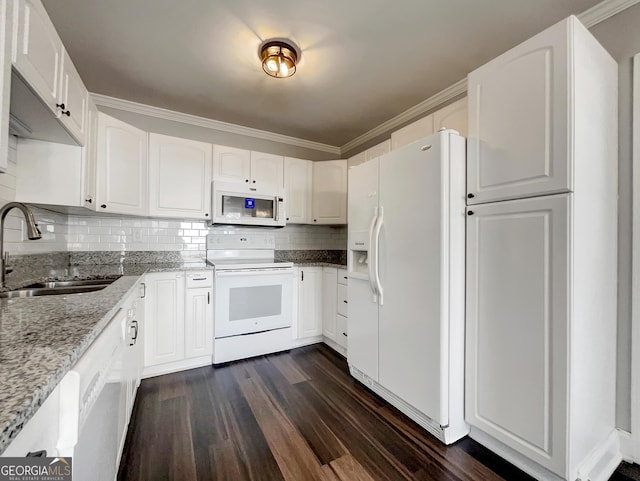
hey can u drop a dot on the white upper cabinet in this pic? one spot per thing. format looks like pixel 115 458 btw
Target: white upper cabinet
pixel 90 154
pixel 6 40
pixel 329 192
pixel 230 164
pixel 264 172
pixel 73 100
pixel 122 167
pixel 371 153
pixel 454 116
pixel 412 132
pixel 41 60
pixel 38 51
pixel 267 171
pixel 179 177
pixel 297 184
pixel 520 124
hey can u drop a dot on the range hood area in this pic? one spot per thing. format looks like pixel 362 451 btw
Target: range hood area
pixel 30 118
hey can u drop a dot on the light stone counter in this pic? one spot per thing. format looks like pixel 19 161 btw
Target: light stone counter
pixel 41 338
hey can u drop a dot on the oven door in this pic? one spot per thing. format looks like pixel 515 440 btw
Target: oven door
pixel 253 300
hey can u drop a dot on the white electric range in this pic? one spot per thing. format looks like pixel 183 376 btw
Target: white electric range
pixel 253 293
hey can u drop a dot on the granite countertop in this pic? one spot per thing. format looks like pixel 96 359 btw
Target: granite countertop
pixel 314 263
pixel 41 338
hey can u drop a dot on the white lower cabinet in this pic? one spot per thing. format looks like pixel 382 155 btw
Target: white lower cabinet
pixel 164 340
pixel 41 431
pixel 309 302
pixel 198 322
pixel 178 321
pixel 329 298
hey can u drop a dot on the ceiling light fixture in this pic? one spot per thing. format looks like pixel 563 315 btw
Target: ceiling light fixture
pixel 278 59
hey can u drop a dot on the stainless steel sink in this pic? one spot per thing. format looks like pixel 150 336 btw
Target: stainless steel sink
pixel 56 288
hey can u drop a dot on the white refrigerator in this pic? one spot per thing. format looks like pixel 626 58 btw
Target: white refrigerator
pixel 406 251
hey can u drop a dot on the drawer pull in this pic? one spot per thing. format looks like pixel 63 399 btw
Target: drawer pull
pixel 199 279
pixel 345 334
pixel 345 302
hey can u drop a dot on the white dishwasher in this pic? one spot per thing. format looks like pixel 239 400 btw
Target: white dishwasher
pixel 93 399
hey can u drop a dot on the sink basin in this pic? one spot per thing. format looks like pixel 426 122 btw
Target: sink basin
pixel 56 288
pixel 74 283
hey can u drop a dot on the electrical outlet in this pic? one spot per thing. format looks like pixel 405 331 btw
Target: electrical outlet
pixel 137 235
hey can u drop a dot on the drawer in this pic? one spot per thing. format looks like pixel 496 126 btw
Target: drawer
pixel 341 306
pixel 199 279
pixel 341 330
pixel 342 276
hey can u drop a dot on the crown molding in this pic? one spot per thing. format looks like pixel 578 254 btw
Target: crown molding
pixel 165 114
pixel 458 88
pixel 603 10
pixel 596 14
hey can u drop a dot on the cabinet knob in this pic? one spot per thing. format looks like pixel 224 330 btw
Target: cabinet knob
pixel 60 106
pixel 470 212
pixel 254 181
pixel 315 220
pixel 88 201
pixel 344 334
pixel 104 206
pixel 67 113
pixel 470 196
pixel 246 180
pixel 206 215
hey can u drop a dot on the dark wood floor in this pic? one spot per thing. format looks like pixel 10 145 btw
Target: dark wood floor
pixel 296 416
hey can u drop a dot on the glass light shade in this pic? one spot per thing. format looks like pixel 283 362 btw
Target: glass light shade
pixel 278 59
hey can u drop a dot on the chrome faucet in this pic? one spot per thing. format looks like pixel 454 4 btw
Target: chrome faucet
pixel 33 232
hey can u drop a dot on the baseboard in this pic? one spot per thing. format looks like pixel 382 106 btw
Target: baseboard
pixel 603 460
pixel 626 446
pixel 446 434
pixel 335 346
pixel 168 368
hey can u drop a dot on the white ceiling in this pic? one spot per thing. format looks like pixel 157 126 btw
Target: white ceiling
pixel 363 61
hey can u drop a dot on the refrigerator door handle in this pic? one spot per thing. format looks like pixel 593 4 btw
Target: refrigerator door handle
pixel 377 245
pixel 372 254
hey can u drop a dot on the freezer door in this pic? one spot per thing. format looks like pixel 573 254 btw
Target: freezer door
pixel 412 253
pixel 362 201
pixel 362 328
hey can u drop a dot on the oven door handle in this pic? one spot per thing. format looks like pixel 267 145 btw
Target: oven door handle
pixel 255 272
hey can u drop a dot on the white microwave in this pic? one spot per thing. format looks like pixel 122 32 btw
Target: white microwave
pixel 241 204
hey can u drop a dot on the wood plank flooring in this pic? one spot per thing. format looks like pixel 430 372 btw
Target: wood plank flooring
pixel 293 416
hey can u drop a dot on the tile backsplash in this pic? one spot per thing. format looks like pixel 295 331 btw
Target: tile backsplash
pixel 102 233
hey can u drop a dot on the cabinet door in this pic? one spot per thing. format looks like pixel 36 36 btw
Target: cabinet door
pixel 122 167
pixel 231 165
pixel 412 132
pixel 297 184
pixel 518 121
pixel 453 116
pixel 164 318
pixel 6 41
pixel 198 323
pixel 357 159
pixel 75 97
pixel 267 171
pixel 329 192
pixel 90 157
pixel 37 54
pixel 179 177
pixel 517 308
pixel 329 297
pixel 310 302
